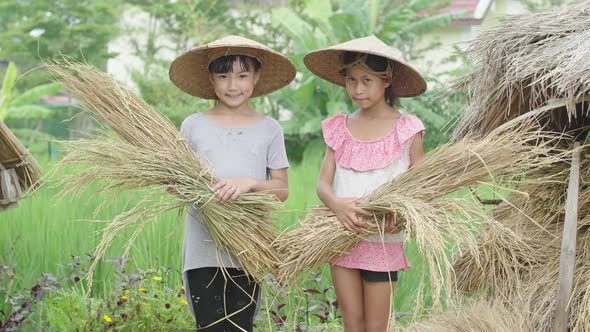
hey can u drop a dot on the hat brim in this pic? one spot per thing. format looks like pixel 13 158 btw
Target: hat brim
pixel 326 63
pixel 190 72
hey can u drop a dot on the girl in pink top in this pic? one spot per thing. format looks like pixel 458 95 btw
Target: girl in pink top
pixel 365 149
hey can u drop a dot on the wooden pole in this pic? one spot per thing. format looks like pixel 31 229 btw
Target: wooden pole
pixel 567 259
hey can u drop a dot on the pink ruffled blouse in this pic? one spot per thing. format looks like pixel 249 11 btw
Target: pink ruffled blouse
pixel 361 167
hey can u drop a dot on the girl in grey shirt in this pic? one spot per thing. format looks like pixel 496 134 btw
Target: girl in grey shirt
pixel 245 150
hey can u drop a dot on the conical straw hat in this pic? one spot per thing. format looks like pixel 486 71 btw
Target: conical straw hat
pixel 327 62
pixel 190 71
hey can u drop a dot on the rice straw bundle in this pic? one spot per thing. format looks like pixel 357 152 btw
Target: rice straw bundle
pixel 537 222
pixel 503 258
pixel 525 62
pixel 481 316
pixel 418 199
pixel 147 155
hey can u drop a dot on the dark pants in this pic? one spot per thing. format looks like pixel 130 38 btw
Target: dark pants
pixel 373 276
pixel 222 300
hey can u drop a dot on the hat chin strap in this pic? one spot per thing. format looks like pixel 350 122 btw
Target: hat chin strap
pixel 361 62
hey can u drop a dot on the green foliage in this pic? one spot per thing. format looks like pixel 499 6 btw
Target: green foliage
pixel 543 5
pixel 180 23
pixel 33 95
pixel 28 112
pixel 157 90
pixel 147 305
pixel 5 93
pixel 23 106
pixel 37 29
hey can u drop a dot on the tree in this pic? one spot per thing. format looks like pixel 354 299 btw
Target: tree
pixel 176 26
pixel 35 30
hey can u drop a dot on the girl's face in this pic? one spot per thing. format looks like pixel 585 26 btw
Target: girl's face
pixel 365 89
pixel 235 88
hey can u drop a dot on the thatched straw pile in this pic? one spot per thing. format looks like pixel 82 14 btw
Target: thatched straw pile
pixel 481 316
pixel 19 171
pixel 146 155
pixel 527 62
pixel 524 265
pixel 420 200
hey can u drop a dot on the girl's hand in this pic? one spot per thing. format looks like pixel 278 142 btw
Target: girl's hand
pixel 232 188
pixel 390 226
pixel 347 211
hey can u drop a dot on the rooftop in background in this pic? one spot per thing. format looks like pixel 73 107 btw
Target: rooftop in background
pixel 59 99
pixel 476 11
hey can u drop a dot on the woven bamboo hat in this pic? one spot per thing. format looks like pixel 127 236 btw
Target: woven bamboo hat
pixel 190 71
pixel 327 62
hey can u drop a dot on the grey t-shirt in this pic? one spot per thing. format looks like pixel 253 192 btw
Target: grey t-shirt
pixel 231 152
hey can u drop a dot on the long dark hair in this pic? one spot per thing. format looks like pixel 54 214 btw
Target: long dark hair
pixel 377 64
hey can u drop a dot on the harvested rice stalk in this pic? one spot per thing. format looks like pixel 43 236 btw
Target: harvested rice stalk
pixel 418 199
pixel 481 315
pixel 501 250
pixel 535 228
pixel 537 221
pixel 539 292
pixel 147 156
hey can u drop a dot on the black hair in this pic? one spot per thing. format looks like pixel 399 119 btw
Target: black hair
pixel 376 63
pixel 225 64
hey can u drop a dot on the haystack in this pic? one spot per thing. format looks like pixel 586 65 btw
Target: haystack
pixel 481 315
pixel 19 171
pixel 528 62
pixel 533 62
pixel 523 263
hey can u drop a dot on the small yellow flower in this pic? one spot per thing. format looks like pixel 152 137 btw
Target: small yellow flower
pixel 183 302
pixel 142 289
pixel 124 297
pixel 156 278
pixel 107 318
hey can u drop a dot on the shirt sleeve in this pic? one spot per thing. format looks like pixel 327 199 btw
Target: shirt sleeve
pixel 184 129
pixel 333 131
pixel 410 126
pixel 276 157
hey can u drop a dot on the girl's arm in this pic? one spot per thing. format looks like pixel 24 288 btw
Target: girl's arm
pixel 416 150
pixel 277 185
pixel 232 188
pixel 346 209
